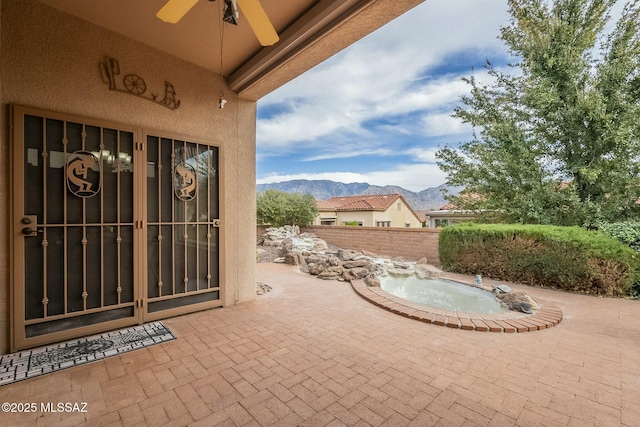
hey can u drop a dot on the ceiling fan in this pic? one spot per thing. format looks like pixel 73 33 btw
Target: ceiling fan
pixel 174 10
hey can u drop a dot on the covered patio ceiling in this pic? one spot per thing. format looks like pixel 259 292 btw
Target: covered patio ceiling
pixel 310 31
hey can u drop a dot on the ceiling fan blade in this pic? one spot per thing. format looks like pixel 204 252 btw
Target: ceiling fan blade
pixel 259 21
pixel 174 10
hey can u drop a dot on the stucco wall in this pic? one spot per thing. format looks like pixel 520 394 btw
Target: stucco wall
pixel 366 217
pixel 398 217
pixel 50 60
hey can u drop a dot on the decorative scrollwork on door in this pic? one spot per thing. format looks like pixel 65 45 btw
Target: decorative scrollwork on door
pixel 83 174
pixel 185 182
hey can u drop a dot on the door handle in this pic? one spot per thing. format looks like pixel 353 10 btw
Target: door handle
pixel 29 223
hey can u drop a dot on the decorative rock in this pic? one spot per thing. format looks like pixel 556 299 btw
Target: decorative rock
pixel 316 268
pixel 331 273
pixel 357 263
pixel 376 269
pixel 372 281
pixel 400 271
pixel 426 271
pixel 346 255
pixel 320 245
pixel 312 254
pixel 262 288
pixel 513 300
pixel 501 289
pixel 294 258
pixel 355 273
pixel 369 254
pixel 401 264
pixel 520 306
pixel 316 259
pixel 334 261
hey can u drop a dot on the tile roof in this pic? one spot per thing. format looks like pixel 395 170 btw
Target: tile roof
pixel 377 202
pixel 325 205
pixel 462 196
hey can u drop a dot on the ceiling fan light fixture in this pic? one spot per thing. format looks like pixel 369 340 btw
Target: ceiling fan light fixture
pixel 231 13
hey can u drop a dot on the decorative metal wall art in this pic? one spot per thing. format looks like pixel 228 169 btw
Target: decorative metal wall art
pixel 135 85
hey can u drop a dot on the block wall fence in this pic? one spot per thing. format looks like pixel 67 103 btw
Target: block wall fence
pixel 410 243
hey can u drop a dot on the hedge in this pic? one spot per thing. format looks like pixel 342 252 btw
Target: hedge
pixel 569 258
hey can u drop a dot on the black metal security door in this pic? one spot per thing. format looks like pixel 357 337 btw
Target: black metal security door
pixel 183 226
pixel 74 192
pixel 109 231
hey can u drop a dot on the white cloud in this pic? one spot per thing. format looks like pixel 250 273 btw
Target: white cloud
pixel 379 76
pixel 443 124
pixel 388 87
pixel 341 153
pixel 425 155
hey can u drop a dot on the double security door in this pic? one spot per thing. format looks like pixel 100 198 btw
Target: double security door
pixel 112 226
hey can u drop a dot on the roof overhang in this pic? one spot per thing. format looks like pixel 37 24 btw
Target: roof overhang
pixel 310 32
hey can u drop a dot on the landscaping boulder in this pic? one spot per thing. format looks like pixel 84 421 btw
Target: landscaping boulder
pixel 316 268
pixel 355 273
pixel 331 273
pixel 401 264
pixel 346 254
pixel 334 261
pixel 426 271
pixel 357 263
pixel 514 300
pixel 400 272
pixel 312 254
pixel 372 281
pixel 294 258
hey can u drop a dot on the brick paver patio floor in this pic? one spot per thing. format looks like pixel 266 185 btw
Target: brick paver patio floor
pixel 313 352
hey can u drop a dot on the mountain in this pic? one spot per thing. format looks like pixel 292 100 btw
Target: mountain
pixel 428 199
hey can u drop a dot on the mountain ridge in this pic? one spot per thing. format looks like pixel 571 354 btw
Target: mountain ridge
pixel 428 199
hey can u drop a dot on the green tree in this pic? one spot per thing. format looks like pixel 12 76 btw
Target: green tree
pixel 278 208
pixel 557 136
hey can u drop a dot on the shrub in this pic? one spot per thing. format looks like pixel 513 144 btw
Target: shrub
pixel 569 258
pixel 627 232
pixel 278 208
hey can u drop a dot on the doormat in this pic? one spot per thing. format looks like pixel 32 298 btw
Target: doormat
pixel 43 360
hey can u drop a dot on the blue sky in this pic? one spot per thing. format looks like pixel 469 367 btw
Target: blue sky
pixel 377 111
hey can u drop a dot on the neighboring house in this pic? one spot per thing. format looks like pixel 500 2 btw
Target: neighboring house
pixel 125 188
pixel 383 210
pixel 447 215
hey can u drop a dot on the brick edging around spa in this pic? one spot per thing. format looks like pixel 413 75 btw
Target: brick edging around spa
pixel 545 317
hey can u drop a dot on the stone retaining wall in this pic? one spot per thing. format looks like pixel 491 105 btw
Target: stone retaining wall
pixel 410 243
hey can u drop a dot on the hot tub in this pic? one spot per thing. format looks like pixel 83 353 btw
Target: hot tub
pixel 442 293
